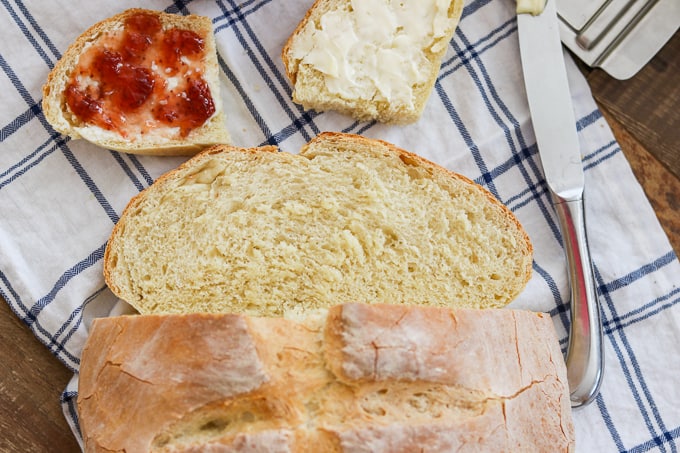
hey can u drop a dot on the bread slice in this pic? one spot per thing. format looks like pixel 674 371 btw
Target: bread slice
pixel 142 82
pixel 373 60
pixel 347 219
pixel 360 378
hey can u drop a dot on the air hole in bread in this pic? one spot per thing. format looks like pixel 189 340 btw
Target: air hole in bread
pixel 220 421
pixel 420 402
pixel 400 400
pixel 215 425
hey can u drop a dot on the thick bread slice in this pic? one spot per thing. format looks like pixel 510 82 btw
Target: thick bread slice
pixel 140 132
pixel 373 59
pixel 271 233
pixel 363 378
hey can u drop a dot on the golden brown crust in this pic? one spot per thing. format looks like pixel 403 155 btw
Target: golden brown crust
pixel 190 382
pixel 133 357
pixel 58 115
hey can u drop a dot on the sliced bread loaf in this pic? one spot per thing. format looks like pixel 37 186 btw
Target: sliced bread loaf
pixel 348 219
pixel 141 82
pixel 362 378
pixel 373 59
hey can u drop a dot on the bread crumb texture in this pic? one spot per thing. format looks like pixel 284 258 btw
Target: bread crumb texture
pixel 349 219
pixel 364 378
pixel 371 59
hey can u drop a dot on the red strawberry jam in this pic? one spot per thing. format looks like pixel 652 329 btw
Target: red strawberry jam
pixel 177 44
pixel 142 77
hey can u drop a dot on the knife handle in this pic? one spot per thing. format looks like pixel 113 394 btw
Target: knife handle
pixel 585 356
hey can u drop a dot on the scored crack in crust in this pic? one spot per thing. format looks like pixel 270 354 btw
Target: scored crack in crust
pixel 469 380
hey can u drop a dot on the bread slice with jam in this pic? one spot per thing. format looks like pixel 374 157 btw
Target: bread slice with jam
pixel 142 82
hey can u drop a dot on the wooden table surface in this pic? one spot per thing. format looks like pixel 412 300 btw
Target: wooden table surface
pixel 643 112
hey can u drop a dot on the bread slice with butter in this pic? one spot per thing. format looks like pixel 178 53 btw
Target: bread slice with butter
pixel 348 219
pixel 142 82
pixel 371 59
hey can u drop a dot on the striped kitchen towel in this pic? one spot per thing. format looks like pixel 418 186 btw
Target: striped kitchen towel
pixel 59 198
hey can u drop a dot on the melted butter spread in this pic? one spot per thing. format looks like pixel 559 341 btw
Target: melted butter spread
pixel 533 7
pixel 376 49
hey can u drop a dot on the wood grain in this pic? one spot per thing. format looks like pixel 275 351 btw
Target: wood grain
pixel 31 382
pixel 661 186
pixel 647 105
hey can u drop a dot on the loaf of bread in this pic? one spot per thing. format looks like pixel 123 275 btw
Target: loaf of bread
pixel 361 378
pixel 373 59
pixel 141 82
pixel 349 218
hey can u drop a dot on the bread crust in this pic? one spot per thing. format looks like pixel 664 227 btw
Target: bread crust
pixel 288 65
pixel 198 382
pixel 212 132
pixel 117 274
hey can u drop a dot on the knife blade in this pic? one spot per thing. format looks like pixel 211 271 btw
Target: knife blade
pixel 552 116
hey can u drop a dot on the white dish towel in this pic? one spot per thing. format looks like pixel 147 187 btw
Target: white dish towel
pixel 60 198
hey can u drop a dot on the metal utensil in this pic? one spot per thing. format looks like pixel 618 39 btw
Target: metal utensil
pixel 552 115
pixel 619 36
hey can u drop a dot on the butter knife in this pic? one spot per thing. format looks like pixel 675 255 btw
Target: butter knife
pixel 552 115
